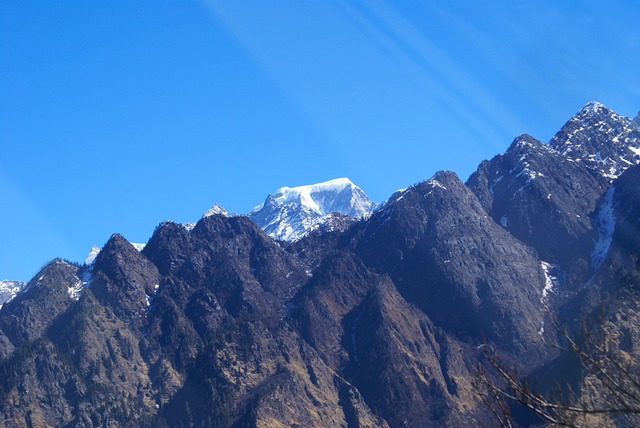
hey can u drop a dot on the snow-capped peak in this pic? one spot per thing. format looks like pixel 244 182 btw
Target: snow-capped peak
pixel 292 212
pixel 593 107
pixel 91 257
pixel 601 139
pixel 216 210
pixel 9 289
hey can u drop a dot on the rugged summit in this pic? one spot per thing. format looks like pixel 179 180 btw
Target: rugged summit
pixel 601 139
pixel 541 197
pixel 380 322
pixel 292 212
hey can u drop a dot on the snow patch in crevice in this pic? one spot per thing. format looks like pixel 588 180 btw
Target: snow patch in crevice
pixel 149 299
pixel 435 183
pixel 84 282
pixel 76 290
pixel 550 281
pixel 188 226
pixel 606 224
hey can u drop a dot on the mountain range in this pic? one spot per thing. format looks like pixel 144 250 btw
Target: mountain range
pixel 321 308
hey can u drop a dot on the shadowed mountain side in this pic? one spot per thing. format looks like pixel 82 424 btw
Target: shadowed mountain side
pixel 446 256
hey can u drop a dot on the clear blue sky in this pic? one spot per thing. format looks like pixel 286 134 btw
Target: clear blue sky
pixel 116 115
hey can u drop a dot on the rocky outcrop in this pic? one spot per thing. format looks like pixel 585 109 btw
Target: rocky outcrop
pixel 541 198
pixel 446 256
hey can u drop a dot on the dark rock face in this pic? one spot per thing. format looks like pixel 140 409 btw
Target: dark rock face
pixel 123 279
pixel 372 323
pixel 46 296
pixel 619 238
pixel 447 256
pixel 541 197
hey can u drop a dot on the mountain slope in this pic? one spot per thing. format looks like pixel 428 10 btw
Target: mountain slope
pixel 446 256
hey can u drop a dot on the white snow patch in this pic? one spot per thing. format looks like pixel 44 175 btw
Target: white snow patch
pixel 549 280
pixel 10 289
pixel 138 247
pixel 435 183
pixel 91 257
pixel 635 150
pixel 75 290
pixel 606 226
pixel 504 221
pixel 188 226
pixel 216 210
pixel 149 299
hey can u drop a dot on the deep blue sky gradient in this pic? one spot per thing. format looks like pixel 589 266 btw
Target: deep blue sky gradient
pixel 117 115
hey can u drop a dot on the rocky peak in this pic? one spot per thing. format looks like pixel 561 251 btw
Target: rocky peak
pixel 540 196
pixel 433 240
pixel 41 301
pixel 123 278
pixel 600 138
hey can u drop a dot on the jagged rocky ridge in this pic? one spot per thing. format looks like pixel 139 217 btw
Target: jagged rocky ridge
pixel 379 323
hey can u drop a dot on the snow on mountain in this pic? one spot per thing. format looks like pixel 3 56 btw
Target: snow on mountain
pixel 216 210
pixel 92 255
pixel 601 139
pixel 292 212
pixel 606 226
pixel 9 289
